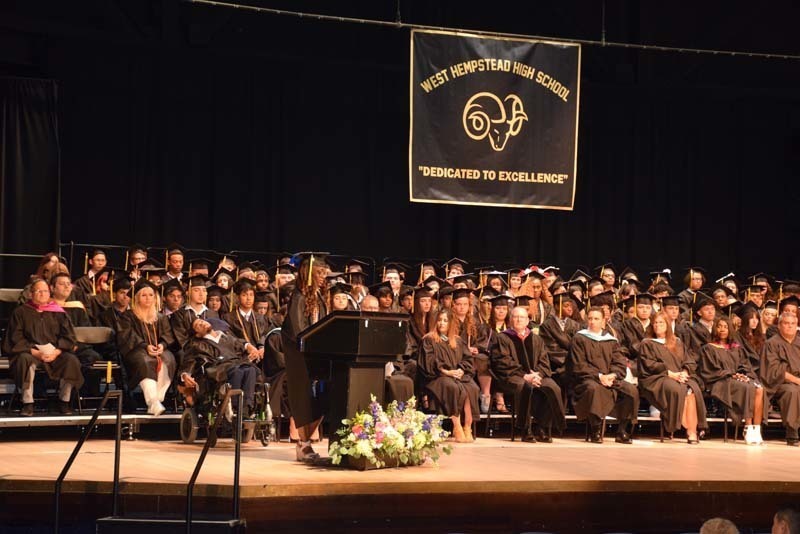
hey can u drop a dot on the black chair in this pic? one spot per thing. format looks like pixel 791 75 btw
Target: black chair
pixel 101 338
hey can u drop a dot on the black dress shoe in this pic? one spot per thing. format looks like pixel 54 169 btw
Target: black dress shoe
pixel 542 435
pixel 64 408
pixel 792 439
pixel 596 436
pixel 623 437
pixel 529 437
pixel 793 442
pixel 691 441
pixel 27 410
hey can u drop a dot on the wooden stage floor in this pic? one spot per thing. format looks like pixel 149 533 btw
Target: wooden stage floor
pixel 491 485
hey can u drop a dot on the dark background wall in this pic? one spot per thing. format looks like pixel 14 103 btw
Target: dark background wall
pixel 223 129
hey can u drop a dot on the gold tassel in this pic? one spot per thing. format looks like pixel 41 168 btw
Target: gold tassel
pixel 86 263
pixel 126 259
pixel 311 269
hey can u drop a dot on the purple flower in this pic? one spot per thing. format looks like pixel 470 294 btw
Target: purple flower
pixel 363 435
pixel 426 425
pixel 401 406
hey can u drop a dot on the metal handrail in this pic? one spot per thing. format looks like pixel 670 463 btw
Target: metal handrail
pixel 117 439
pixel 236 460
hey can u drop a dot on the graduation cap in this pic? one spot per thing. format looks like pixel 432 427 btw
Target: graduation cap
pixel 745 308
pixel 454 262
pixel 770 304
pixel 701 300
pixel 593 281
pixel 395 266
pixel 580 275
pixel 461 293
pixel 222 271
pixel 788 300
pixel 664 275
pixel 750 289
pixel 434 278
pixel 355 266
pixel 340 287
pixel 150 264
pixel 671 300
pixel 170 285
pixel 173 249
pixel 628 274
pixel 335 277
pixel 381 288
pixel 729 276
pixel 201 263
pixel 626 304
pixel 762 277
pixel 551 270
pixel 516 271
pixel 137 247
pixel 242 285
pixel 216 291
pixel 691 270
pixel 122 284
pixel 284 258
pixel 317 258
pixel 227 257
pixel 355 277
pixel 421 292
pixel 485 293
pixel 635 282
pixel 577 282
pixel 723 288
pixel 601 269
pixel 730 309
pixel 562 298
pixel 606 298
pixel 491 275
pixel 461 279
pixel 522 300
pixel 791 286
pixel 502 300
pixel 143 283
pixel 198 280
pixel 445 291
pixel 284 268
pixel 245 266
pixel 406 291
pixel 535 273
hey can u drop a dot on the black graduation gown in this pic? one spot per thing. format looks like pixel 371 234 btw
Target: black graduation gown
pixel 253 329
pixel 633 332
pixel 181 321
pixel 686 300
pixel 668 395
pixel 780 357
pixel 304 409
pixel 274 368
pixel 587 359
pixel 512 358
pixel 28 327
pixel 558 341
pixel 133 340
pixel 717 365
pixel 217 358
pixel 699 337
pixel 448 393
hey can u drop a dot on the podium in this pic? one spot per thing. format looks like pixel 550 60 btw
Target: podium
pixel 357 345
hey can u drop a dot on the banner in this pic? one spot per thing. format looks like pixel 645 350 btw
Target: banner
pixel 494 122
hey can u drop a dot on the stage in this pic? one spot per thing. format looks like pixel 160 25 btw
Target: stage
pixel 493 485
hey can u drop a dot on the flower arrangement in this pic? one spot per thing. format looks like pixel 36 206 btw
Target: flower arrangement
pixel 401 435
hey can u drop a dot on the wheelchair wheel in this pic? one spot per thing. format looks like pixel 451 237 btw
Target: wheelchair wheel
pixel 189 425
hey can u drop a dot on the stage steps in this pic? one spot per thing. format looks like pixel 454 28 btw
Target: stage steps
pixel 168 525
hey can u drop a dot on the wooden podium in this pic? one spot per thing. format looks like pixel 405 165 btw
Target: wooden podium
pixel 357 345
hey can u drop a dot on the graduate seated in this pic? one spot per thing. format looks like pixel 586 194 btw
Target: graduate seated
pixel 598 367
pixel 447 371
pixel 39 333
pixel 222 358
pixel 144 337
pixel 781 374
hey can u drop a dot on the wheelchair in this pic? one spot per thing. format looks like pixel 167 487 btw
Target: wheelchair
pixel 206 400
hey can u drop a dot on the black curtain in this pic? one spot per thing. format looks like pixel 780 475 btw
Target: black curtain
pixel 224 130
pixel 29 174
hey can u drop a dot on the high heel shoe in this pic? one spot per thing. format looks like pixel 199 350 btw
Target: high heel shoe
pixel 305 453
pixel 468 437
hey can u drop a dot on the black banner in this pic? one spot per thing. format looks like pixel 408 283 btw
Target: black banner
pixel 494 122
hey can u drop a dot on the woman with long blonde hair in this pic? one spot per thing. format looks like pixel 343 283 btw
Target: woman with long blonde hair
pixel 144 339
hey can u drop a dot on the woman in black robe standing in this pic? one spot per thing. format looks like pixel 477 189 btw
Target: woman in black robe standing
pixel 306 307
pixel 446 365
pixel 668 378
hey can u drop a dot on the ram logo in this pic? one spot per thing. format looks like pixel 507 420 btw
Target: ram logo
pixel 486 116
